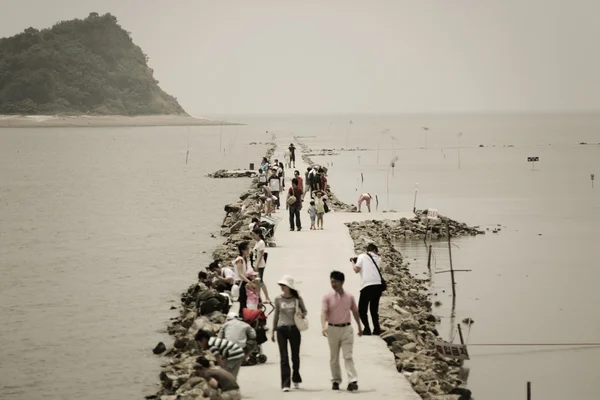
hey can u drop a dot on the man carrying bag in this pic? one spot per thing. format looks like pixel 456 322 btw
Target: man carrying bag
pixel 372 286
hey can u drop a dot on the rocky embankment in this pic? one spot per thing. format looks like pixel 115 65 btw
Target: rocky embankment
pixel 236 173
pixel 419 225
pixel 176 376
pixel 333 201
pixel 406 311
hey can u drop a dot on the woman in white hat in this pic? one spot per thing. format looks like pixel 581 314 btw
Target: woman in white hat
pixel 288 307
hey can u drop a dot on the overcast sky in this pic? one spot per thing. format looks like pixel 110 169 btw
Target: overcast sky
pixel 330 56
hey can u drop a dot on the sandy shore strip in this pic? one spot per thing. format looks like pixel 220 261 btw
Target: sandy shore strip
pixel 76 121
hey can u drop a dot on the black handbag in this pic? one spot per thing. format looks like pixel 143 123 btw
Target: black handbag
pixel 383 282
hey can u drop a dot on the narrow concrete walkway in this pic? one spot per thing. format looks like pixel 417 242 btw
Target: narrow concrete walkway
pixel 309 256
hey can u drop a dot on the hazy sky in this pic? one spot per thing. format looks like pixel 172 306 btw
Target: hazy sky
pixel 319 56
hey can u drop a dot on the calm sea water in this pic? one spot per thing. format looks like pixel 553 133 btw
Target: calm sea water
pixel 102 228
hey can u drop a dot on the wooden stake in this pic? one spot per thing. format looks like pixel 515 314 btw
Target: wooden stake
pixel 429 259
pixel 451 268
pixel 462 340
pixel 528 390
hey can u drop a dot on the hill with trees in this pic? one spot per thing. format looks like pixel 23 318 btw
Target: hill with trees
pixel 88 66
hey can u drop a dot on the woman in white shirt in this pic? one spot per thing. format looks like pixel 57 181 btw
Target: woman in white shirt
pixel 258 252
pixel 241 270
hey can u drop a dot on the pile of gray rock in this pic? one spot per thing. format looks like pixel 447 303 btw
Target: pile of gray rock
pixel 176 376
pixel 236 173
pixel 419 225
pixel 406 313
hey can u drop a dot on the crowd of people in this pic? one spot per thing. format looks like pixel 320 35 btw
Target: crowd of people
pixel 243 280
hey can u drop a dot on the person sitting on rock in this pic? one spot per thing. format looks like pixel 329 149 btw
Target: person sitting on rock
pixel 222 384
pixel 209 300
pixel 228 354
pixel 222 276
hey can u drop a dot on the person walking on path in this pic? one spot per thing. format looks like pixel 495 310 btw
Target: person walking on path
pixel 300 181
pixel 287 306
pixel 220 381
pixel 312 212
pixel 294 207
pixel 306 184
pixel 365 197
pixel 335 322
pixel 228 354
pixel 371 287
pixel 275 186
pixel 241 269
pixel 292 150
pixel 320 205
pixel 287 156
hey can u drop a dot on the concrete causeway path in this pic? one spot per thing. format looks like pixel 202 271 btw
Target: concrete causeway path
pixel 309 256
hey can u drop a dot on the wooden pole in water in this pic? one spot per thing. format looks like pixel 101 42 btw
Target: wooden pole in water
pixel 429 259
pixel 462 340
pixel 528 390
pixel 451 268
pixel 415 202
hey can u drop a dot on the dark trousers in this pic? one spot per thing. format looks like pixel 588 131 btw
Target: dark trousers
pixel 261 274
pixel 369 299
pixel 243 299
pixel 277 202
pixel 295 213
pixel 292 335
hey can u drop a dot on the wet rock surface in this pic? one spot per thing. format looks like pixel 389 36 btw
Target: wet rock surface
pixel 176 376
pixel 405 309
pixel 236 173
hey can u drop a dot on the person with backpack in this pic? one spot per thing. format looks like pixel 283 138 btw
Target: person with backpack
pixel 294 204
pixel 372 285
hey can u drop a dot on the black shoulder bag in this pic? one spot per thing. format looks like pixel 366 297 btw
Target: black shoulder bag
pixel 383 283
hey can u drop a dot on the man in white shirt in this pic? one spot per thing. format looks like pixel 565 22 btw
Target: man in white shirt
pixel 223 276
pixel 368 266
pixel 275 186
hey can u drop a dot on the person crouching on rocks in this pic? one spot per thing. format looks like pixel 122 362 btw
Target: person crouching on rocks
pixel 209 300
pixel 366 198
pixel 238 332
pixel 222 385
pixel 228 354
pixel 222 276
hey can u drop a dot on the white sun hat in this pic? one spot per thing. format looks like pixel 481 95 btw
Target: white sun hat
pixel 288 281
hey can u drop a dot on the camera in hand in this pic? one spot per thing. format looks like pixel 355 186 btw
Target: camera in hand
pixel 353 259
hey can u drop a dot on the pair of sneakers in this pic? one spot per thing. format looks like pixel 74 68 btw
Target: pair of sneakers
pixel 352 386
pixel 296 386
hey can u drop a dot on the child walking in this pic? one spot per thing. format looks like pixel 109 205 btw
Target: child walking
pixel 312 211
pixel 320 206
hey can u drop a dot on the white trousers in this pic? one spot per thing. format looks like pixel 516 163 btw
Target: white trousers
pixel 341 338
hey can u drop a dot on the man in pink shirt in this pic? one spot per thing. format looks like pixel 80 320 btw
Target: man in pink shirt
pixel 337 307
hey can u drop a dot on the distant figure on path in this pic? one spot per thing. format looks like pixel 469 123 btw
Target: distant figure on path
pixel 312 211
pixel 287 157
pixel 371 288
pixel 300 181
pixel 259 255
pixel 292 150
pixel 365 197
pixel 228 354
pixel 219 380
pixel 307 188
pixel 264 165
pixel 295 206
pixel 284 323
pixel 320 205
pixel 275 186
pixel 335 321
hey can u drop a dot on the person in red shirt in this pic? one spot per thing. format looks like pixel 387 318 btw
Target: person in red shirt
pixel 300 180
pixel 337 308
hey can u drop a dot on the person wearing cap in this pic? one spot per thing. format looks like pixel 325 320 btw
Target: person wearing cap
pixel 337 308
pixel 287 305
pixel 238 332
pixel 221 382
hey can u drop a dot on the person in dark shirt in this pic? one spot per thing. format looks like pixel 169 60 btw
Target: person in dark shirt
pixel 295 207
pixel 218 380
pixel 292 150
